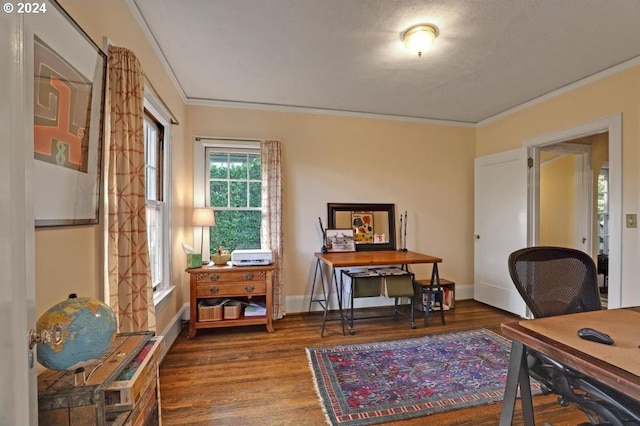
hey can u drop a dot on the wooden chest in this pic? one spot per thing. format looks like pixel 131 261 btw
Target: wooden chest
pixel 69 399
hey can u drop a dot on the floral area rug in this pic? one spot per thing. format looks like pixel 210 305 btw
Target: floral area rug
pixel 373 383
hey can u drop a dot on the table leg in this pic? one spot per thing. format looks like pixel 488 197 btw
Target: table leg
pixel 435 278
pixel 517 374
pixel 323 301
pixel 326 302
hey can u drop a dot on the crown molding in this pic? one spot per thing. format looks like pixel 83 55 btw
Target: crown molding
pixel 323 111
pixel 631 63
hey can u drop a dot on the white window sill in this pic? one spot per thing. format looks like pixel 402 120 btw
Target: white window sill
pixel 161 296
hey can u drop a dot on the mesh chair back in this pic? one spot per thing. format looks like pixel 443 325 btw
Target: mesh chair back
pixel 555 280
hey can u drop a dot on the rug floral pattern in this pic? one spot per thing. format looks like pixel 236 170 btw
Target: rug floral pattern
pixel 378 382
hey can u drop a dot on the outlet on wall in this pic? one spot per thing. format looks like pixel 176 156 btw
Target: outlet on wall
pixel 632 220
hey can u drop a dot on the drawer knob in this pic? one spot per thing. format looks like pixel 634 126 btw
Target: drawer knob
pixel 248 276
pixel 213 290
pixel 214 277
pixel 249 288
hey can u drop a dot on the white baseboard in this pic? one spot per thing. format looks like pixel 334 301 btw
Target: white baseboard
pixel 297 304
pixel 172 331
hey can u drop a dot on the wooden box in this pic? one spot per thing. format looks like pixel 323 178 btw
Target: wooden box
pixel 68 399
pixel 138 377
pixel 210 309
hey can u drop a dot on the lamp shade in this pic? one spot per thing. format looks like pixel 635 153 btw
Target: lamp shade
pixel 203 216
pixel 419 38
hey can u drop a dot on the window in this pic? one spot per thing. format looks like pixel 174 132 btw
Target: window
pixel 233 189
pixel 156 142
pixel 603 211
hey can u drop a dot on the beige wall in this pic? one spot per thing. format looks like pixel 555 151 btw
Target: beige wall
pixel 69 259
pixel 619 93
pixel 557 202
pixel 424 169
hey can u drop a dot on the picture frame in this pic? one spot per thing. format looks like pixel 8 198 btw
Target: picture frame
pixel 69 80
pixel 362 224
pixel 339 240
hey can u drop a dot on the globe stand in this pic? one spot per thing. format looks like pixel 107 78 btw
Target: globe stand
pixel 78 371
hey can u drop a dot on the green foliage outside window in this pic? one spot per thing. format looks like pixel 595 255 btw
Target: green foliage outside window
pixel 235 194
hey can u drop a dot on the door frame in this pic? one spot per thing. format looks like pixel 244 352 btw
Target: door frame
pixel 613 126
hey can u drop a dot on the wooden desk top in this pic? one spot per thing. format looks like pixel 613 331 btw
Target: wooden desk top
pixel 375 258
pixel 617 365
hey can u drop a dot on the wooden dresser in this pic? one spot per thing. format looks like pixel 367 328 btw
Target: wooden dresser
pixel 244 284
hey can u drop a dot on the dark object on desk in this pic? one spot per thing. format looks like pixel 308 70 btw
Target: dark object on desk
pixel 403 232
pixel 603 269
pixel 588 333
pixel 323 249
pixel 556 281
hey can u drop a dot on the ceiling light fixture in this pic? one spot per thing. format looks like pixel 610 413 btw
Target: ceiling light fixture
pixel 419 38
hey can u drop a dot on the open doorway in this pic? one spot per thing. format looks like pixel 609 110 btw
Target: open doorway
pixel 573 199
pixel 599 211
pixel 603 232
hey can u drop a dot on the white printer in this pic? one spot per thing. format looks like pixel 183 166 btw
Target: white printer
pixel 251 257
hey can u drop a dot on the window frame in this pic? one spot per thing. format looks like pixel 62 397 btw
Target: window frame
pixel 156 109
pixel 604 216
pixel 200 168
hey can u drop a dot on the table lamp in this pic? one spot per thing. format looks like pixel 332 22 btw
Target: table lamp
pixel 203 217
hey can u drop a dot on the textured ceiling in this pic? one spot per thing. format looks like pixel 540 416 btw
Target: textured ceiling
pixel 346 55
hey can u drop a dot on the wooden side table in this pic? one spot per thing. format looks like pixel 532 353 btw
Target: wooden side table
pixel 242 283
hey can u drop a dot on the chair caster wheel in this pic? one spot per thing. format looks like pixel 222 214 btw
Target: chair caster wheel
pixel 352 332
pixel 413 326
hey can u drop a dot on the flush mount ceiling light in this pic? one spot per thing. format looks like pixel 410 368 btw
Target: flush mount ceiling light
pixel 419 38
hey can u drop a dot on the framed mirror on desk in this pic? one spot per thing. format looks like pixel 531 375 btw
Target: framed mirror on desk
pixel 373 224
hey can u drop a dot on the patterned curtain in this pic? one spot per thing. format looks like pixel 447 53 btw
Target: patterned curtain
pixel 271 232
pixel 130 291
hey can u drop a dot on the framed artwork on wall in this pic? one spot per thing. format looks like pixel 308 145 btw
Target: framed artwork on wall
pixel 69 72
pixel 339 240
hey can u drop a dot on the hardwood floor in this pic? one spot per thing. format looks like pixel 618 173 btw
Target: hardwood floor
pixel 246 376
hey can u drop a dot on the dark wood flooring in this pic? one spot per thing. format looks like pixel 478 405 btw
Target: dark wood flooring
pixel 246 376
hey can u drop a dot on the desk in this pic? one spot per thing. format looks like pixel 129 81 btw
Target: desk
pixel 617 366
pixel 363 259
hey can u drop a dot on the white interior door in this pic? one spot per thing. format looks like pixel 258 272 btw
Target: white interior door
pixel 18 393
pixel 500 226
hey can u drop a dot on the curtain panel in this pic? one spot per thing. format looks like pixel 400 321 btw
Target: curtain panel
pixel 130 289
pixel 271 230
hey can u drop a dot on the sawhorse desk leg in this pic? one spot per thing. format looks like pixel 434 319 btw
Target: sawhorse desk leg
pixel 322 302
pixel 517 376
pixel 433 287
pixel 326 292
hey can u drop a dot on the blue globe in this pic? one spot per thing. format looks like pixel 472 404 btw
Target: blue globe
pixel 75 333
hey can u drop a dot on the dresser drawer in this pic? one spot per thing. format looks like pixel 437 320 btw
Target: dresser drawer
pixel 219 289
pixel 231 277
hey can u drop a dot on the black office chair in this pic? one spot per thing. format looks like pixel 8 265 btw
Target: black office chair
pixel 556 281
